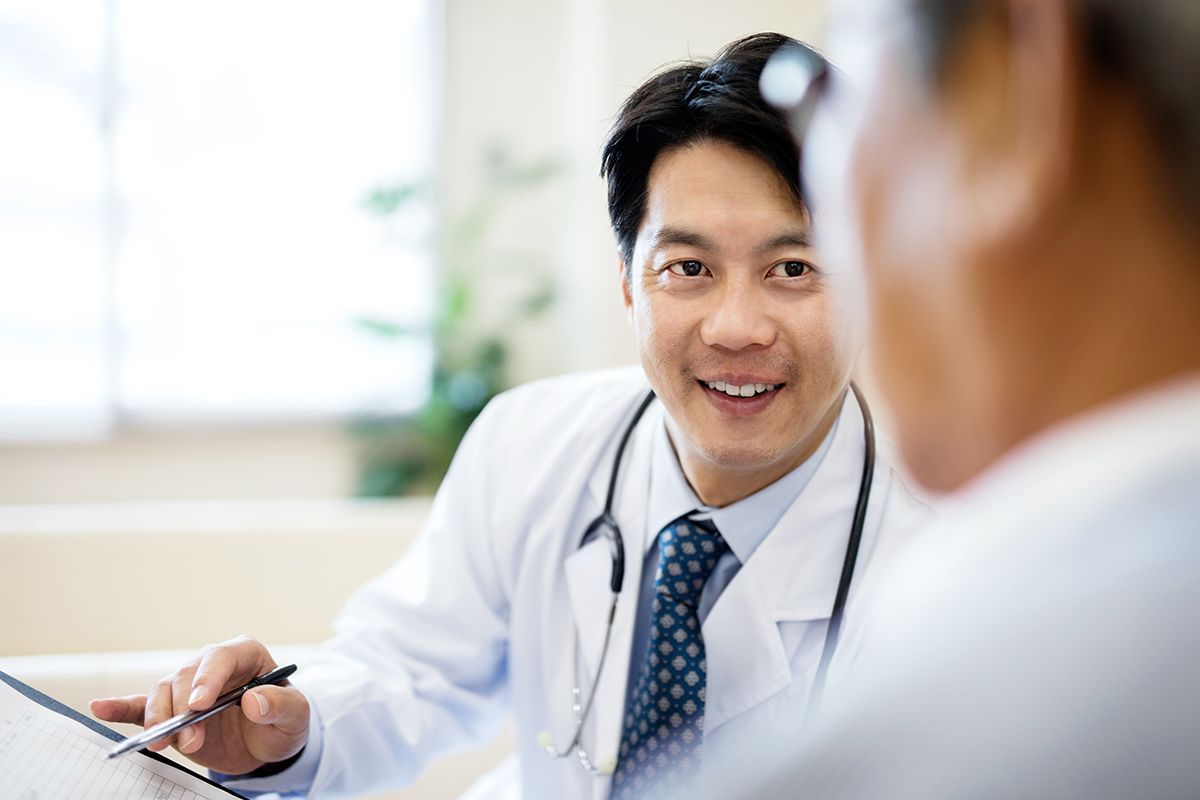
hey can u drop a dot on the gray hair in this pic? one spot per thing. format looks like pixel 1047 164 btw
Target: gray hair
pixel 1152 46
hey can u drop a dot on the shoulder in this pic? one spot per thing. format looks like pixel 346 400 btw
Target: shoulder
pixel 553 409
pixel 548 436
pixel 533 453
pixel 597 386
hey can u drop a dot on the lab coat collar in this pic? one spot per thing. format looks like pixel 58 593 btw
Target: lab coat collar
pixel 743 524
pixel 587 576
pixel 792 577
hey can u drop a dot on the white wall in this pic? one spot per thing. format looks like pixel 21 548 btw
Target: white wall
pixel 540 77
pixel 546 77
pixel 198 464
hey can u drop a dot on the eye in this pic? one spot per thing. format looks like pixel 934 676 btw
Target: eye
pixel 790 269
pixel 687 269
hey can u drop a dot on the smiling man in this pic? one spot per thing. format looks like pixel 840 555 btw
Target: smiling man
pixel 637 567
pixel 747 341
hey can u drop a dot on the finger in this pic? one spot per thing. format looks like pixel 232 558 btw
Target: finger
pixel 191 738
pixel 159 707
pixel 131 709
pixel 181 688
pixel 225 666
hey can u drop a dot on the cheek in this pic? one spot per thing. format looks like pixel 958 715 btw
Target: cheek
pixel 662 328
pixel 827 334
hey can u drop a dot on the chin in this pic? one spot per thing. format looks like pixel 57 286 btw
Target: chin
pixel 736 455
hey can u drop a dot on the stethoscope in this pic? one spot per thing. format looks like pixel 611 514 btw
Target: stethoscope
pixel 606 525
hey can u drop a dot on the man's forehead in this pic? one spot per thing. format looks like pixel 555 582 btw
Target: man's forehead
pixel 709 172
pixel 749 225
pixel 719 192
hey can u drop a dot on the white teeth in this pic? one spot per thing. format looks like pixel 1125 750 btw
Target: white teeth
pixel 745 390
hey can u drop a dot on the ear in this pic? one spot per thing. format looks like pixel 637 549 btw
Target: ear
pixel 1018 93
pixel 624 277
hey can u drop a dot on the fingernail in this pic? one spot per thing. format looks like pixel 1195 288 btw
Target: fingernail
pixel 263 706
pixel 186 737
pixel 196 696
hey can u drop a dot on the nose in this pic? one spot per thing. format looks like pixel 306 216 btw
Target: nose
pixel 738 319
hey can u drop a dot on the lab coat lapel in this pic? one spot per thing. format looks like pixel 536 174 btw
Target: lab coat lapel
pixel 791 577
pixel 587 576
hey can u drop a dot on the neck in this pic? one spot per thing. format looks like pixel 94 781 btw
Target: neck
pixel 1105 317
pixel 719 485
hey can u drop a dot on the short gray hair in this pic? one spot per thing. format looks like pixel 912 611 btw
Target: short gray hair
pixel 1152 46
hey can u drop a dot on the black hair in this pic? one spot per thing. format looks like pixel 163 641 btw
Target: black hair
pixel 695 101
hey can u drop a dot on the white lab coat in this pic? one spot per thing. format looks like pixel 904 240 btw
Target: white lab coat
pixel 473 626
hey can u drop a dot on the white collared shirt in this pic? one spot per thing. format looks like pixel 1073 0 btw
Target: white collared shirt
pixel 743 525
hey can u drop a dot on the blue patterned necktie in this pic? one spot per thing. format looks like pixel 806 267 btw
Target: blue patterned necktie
pixel 664 725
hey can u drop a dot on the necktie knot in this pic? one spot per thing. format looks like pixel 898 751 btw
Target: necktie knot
pixel 688 550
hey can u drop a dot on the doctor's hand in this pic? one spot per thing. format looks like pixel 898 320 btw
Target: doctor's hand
pixel 270 724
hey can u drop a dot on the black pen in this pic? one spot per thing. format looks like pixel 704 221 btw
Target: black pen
pixel 177 723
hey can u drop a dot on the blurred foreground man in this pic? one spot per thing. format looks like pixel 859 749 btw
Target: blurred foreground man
pixel 1022 185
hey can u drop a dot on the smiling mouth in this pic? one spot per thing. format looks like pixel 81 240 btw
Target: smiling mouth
pixel 742 390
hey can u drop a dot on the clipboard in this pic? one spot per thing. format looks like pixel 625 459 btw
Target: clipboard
pixel 49 751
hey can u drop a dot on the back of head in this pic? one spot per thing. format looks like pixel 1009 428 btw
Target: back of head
pixel 1150 47
pixel 1024 177
pixel 691 102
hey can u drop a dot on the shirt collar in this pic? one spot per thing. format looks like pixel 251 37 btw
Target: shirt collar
pixel 743 524
pixel 1107 445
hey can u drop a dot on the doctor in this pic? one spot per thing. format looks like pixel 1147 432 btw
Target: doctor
pixel 734 493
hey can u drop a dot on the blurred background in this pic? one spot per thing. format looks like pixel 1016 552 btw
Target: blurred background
pixel 260 265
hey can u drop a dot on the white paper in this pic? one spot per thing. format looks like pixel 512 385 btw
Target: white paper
pixel 47 756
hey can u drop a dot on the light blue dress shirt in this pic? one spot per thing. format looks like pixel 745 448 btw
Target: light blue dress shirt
pixel 743 525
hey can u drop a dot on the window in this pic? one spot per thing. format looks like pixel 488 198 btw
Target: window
pixel 183 227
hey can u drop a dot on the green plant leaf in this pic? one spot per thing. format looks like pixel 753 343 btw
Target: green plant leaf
pixel 390 330
pixel 390 199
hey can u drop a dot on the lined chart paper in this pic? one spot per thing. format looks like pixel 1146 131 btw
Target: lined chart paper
pixel 45 755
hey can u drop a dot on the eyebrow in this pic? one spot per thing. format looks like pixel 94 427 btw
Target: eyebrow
pixel 798 238
pixel 669 235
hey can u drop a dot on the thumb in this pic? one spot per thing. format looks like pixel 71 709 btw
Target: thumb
pixel 284 707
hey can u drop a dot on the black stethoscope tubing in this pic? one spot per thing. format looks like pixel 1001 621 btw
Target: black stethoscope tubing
pixel 608 524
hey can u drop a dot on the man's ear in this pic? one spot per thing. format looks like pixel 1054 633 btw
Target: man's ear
pixel 624 277
pixel 1028 118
